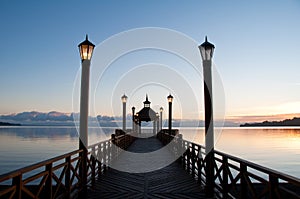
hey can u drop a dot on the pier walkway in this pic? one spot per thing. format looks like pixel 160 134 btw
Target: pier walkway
pixel 168 182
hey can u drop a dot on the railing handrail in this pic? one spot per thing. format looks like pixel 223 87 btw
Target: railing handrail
pixel 232 172
pixel 34 166
pixel 253 165
pixel 261 168
pixel 96 144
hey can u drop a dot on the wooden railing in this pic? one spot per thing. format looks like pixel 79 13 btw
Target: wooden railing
pixel 59 177
pixel 233 177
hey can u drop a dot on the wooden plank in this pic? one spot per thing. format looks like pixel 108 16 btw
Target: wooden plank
pixel 169 182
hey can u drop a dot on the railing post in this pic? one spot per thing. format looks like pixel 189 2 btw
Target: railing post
pixel 99 170
pixel 160 135
pixel 99 158
pixel 273 180
pixel 193 160
pixel 114 146
pixel 225 177
pixel 104 157
pixel 122 142
pixel 209 172
pixel 184 155
pixel 188 158
pixel 83 167
pixel 128 141
pixel 68 177
pixel 111 148
pixel 83 171
pixel 93 165
pixel 243 171
pixel 110 154
pixel 48 184
pixel 17 181
pixel 113 138
pixel 199 164
pixel 166 138
pixel 180 148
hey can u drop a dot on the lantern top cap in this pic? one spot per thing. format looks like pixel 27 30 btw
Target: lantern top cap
pixel 170 96
pixel 207 44
pixel 133 108
pixel 124 96
pixel 161 109
pixel 86 42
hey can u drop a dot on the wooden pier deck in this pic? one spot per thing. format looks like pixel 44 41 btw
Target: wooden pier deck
pixel 168 182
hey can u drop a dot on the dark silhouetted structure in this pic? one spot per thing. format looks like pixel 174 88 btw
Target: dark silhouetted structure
pixel 146 114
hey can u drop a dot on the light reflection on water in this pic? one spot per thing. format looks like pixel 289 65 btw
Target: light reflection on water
pixel 276 148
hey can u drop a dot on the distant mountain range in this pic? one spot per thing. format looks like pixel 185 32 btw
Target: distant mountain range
pixel 69 119
pixel 53 118
pixel 38 116
pixel 288 122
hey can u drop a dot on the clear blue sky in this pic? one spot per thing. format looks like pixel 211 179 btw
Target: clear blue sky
pixel 257 48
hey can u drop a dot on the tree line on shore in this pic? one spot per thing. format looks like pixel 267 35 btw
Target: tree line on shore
pixel 287 122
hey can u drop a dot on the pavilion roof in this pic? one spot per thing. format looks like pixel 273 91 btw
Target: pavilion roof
pixel 146 114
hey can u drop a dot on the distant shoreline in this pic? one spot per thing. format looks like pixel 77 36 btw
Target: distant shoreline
pixel 9 124
pixel 288 122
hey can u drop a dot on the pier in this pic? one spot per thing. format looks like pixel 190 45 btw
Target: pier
pixel 59 177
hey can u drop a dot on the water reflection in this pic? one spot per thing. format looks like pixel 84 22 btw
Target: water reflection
pixel 22 146
pixel 276 148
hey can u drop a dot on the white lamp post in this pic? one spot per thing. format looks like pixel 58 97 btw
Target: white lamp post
pixel 207 50
pixel 86 51
pixel 157 122
pixel 170 100
pixel 124 100
pixel 161 113
pixel 133 113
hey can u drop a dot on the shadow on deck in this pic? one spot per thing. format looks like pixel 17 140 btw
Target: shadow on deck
pixel 168 182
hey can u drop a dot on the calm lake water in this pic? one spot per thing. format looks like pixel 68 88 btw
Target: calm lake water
pixel 277 148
